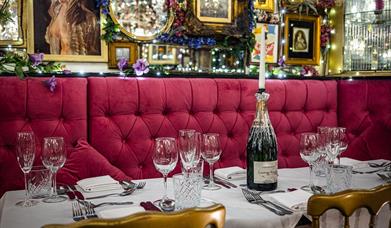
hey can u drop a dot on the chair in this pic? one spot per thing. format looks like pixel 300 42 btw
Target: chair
pixel 191 218
pixel 348 201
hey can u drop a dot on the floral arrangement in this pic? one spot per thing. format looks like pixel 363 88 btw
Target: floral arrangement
pixel 139 68
pixel 21 63
pixel 325 32
pixel 309 71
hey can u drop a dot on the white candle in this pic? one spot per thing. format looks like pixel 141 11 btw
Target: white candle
pixel 261 81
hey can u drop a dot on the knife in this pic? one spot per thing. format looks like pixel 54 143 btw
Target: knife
pixel 206 179
pixel 225 181
pixel 78 194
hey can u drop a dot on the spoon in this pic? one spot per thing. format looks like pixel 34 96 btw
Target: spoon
pixel 124 193
pixel 167 205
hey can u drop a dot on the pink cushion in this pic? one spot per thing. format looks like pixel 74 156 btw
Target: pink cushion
pixel 125 116
pixel 27 105
pixel 365 110
pixel 84 161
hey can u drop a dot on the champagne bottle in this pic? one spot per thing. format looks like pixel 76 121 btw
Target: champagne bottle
pixel 262 149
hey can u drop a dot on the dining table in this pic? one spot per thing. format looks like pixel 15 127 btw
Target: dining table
pixel 239 212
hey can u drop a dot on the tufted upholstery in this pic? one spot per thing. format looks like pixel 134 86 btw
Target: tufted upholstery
pixel 127 115
pixel 27 105
pixel 365 110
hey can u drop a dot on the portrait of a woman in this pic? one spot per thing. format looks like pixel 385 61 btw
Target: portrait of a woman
pixel 300 42
pixel 73 28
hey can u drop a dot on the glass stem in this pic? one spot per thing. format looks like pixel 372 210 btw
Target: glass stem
pixel 54 184
pixel 26 196
pixel 211 181
pixel 165 188
pixel 311 173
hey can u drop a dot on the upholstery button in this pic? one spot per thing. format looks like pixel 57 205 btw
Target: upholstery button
pixel 215 111
pixel 165 112
pixel 191 112
pixel 137 113
pixel 123 141
pixel 230 134
pixel 27 119
pixel 140 166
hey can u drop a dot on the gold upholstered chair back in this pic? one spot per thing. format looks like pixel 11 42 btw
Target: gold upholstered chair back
pixel 189 218
pixel 348 201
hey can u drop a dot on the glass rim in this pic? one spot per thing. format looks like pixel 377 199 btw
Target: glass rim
pixel 54 137
pixel 164 138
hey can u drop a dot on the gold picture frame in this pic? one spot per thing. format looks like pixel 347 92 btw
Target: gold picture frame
pixel 137 37
pixel 159 54
pixel 119 50
pixel 15 6
pixel 214 11
pixel 302 39
pixel 266 5
pixel 43 33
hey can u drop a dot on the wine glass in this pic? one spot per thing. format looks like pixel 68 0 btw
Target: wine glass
pixel 187 148
pixel 165 158
pixel 25 154
pixel 211 153
pixel 331 136
pixel 53 158
pixel 343 142
pixel 309 152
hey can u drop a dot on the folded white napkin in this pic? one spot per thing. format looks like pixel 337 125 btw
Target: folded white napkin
pixel 362 166
pixel 231 173
pixel 96 184
pixel 296 199
pixel 119 212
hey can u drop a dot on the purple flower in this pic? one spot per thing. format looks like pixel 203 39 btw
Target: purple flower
pixel 141 67
pixel 281 61
pixel 36 58
pixel 51 83
pixel 122 64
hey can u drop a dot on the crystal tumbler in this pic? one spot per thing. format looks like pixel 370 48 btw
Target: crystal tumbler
pixel 187 191
pixel 339 178
pixel 38 182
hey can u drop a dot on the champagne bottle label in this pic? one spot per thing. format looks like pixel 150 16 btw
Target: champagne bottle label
pixel 265 172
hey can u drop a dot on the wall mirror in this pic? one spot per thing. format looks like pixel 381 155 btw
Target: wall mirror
pixel 11 32
pixel 141 19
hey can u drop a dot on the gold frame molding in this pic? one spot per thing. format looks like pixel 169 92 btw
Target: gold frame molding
pixel 267 6
pixel 21 42
pixel 166 27
pixel 66 58
pixel 315 60
pixel 133 53
pixel 197 9
pixel 161 62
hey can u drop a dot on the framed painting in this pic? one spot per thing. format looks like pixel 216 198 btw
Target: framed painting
pixel 118 50
pixel 66 30
pixel 302 38
pixel 12 31
pixel 162 54
pixel 266 5
pixel 214 11
pixel 272 47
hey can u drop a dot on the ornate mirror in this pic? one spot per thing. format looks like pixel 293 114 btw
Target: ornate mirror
pixel 10 22
pixel 141 19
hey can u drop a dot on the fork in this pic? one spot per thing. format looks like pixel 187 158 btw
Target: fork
pixel 90 211
pixel 252 200
pixel 257 197
pixel 77 213
pixel 124 193
pixel 128 185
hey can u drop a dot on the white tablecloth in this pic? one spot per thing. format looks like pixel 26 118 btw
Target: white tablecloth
pixel 240 213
